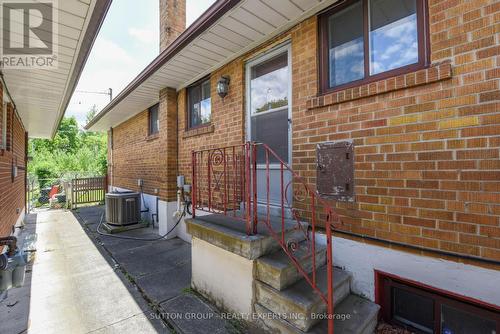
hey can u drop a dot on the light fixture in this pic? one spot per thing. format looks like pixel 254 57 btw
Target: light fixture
pixel 223 86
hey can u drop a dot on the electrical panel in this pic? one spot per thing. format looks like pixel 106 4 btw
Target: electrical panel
pixel 335 170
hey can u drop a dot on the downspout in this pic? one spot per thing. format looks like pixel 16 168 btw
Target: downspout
pixel 111 157
pixel 26 200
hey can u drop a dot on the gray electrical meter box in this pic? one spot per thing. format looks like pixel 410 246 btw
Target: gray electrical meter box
pixel 335 170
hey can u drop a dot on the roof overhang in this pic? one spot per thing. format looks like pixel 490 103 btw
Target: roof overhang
pixel 41 96
pixel 227 30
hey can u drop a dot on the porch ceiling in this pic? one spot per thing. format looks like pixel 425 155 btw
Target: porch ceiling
pixel 228 29
pixel 42 95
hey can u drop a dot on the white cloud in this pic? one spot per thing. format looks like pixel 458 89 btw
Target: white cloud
pixel 107 52
pixel 110 66
pixel 127 42
pixel 144 35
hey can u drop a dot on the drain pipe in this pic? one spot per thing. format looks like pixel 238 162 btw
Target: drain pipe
pixel 154 216
pixel 141 185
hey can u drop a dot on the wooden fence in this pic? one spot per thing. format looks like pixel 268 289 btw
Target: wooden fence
pixel 88 190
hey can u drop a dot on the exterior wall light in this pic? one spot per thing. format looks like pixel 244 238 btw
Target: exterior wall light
pixel 223 86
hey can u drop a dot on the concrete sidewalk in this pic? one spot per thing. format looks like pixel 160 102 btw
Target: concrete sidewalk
pixel 83 282
pixel 161 270
pixel 73 288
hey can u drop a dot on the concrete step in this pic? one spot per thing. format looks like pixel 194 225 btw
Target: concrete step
pixel 230 234
pixel 278 271
pixel 355 315
pixel 299 304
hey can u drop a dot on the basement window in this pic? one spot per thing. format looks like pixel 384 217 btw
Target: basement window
pixel 422 309
pixel 154 122
pixel 366 40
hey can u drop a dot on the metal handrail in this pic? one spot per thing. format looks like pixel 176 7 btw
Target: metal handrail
pixel 242 180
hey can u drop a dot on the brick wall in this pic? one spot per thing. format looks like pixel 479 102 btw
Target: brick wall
pixel 172 21
pixel 137 155
pixel 227 124
pixel 12 192
pixel 427 143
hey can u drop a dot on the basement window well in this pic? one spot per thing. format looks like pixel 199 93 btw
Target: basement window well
pixel 423 309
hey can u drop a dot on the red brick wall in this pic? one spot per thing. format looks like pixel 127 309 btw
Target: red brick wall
pixel 172 21
pixel 227 124
pixel 427 143
pixel 12 192
pixel 136 155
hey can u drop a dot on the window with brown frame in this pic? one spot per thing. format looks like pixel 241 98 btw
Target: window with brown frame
pixel 154 121
pixel 199 104
pixel 423 309
pixel 3 126
pixel 366 40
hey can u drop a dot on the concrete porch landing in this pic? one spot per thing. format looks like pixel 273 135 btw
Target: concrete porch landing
pixel 230 234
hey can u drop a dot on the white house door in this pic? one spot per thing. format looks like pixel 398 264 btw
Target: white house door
pixel 269 117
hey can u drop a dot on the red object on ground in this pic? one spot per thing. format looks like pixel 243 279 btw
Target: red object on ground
pixel 53 191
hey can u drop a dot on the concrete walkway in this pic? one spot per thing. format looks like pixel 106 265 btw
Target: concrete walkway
pixel 161 270
pixel 73 288
pixel 83 282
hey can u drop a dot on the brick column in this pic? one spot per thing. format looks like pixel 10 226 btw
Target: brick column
pixel 168 132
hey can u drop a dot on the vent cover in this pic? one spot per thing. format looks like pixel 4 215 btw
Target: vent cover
pixel 335 170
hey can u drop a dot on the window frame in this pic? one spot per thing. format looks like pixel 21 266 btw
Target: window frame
pixel 3 135
pixel 385 282
pixel 285 47
pixel 150 132
pixel 323 66
pixel 200 82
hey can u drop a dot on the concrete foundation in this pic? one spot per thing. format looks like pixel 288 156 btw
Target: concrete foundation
pixel 252 275
pixel 222 277
pixel 362 259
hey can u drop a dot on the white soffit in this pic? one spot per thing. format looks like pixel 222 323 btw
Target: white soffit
pixel 245 26
pixel 42 95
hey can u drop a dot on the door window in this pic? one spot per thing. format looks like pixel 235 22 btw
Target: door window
pixel 269 104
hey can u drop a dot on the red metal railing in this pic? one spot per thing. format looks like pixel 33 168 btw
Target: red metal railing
pixel 225 181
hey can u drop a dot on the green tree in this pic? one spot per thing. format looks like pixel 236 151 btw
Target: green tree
pixel 71 151
pixel 66 138
pixel 91 114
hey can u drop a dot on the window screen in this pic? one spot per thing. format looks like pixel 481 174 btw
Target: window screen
pixel 346 38
pixel 413 309
pixel 458 321
pixel 154 122
pixel 368 37
pixel 199 104
pixel 393 34
pixel 269 82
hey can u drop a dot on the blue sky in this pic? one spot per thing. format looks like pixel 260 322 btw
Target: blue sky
pixel 128 42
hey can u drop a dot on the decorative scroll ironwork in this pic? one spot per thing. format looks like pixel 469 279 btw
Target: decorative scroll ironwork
pixel 231 173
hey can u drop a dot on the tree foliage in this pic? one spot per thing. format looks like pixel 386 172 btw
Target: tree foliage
pixel 72 151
